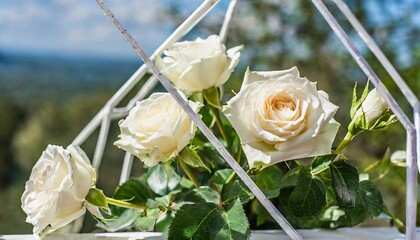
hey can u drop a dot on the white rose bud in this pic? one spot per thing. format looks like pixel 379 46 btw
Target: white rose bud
pixel 373 107
pixel 194 66
pixel 280 116
pixel 157 129
pixel 56 190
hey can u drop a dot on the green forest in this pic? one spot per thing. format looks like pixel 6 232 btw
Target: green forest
pixel 48 100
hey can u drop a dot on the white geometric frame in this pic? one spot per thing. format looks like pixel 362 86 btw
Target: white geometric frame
pixel 110 111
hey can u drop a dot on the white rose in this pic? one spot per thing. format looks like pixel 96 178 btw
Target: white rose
pixel 156 129
pixel 194 66
pixel 373 106
pixel 280 116
pixel 55 192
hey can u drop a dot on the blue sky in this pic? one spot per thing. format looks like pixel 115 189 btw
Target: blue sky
pixel 64 27
pixel 68 27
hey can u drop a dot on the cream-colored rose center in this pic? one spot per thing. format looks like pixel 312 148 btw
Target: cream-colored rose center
pixel 283 116
pixel 283 107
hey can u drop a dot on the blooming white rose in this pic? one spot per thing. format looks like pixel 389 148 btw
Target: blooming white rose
pixel 55 192
pixel 373 107
pixel 280 116
pixel 157 129
pixel 194 66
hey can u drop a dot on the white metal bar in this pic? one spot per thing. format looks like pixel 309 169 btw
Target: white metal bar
pixel 274 212
pixel 181 31
pixel 411 189
pixel 370 42
pixel 100 144
pixel 410 128
pixel 228 20
pixel 126 168
pixel 89 128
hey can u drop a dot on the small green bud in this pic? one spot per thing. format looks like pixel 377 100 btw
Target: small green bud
pixel 371 113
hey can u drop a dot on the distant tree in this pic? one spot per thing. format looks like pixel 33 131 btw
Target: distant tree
pixel 11 119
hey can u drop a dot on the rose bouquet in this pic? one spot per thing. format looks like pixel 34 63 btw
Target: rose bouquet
pixel 279 127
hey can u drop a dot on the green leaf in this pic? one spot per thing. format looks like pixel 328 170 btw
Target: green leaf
pixel 117 223
pixel 308 197
pixel 236 190
pixel 160 201
pixel 259 211
pixel 321 163
pixel 354 102
pixel 146 221
pixel 219 177
pixel 96 197
pixel 207 221
pixel 160 181
pixel 134 190
pixel 212 97
pixel 269 181
pixel 202 194
pixel 290 178
pixel 237 221
pixel 207 194
pixel 369 204
pixel 190 157
pixel 371 197
pixel 345 181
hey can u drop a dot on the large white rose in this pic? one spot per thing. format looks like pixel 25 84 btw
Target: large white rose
pixel 280 116
pixel 194 66
pixel 55 192
pixel 156 129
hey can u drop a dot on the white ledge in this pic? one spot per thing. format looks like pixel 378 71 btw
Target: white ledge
pixel 372 233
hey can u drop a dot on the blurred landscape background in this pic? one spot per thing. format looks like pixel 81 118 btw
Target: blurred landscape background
pixel 60 61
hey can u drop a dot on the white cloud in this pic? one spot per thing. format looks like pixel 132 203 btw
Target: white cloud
pixel 67 25
pixel 71 26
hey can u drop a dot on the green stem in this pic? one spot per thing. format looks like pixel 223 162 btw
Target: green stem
pixel 347 139
pixel 239 154
pixel 189 174
pixel 124 204
pixel 231 177
pixel 219 124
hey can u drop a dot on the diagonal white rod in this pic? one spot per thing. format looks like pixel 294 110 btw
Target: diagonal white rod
pixel 228 20
pixel 412 142
pixel 181 31
pixel 405 89
pixel 274 212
